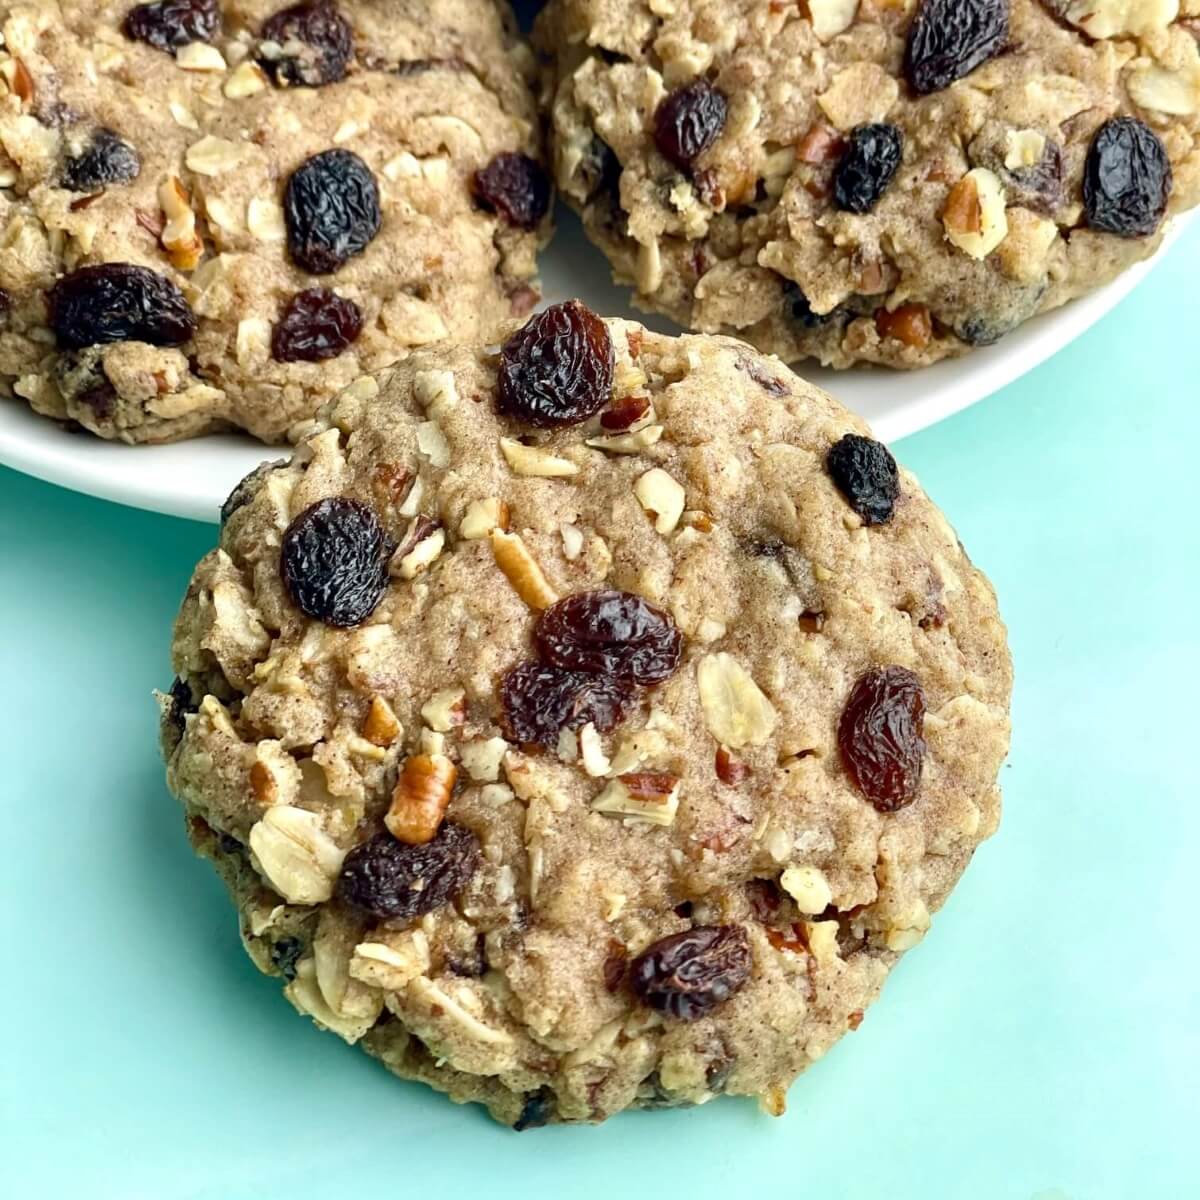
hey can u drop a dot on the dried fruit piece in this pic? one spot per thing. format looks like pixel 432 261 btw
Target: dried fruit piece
pixel 1038 185
pixel 1127 179
pixel 316 324
pixel 333 561
pixel 625 413
pixel 688 974
pixel 558 368
pixel 541 701
pixel 881 737
pixel 118 302
pixel 394 882
pixel 802 310
pixel 689 121
pixel 106 159
pixel 950 38
pixel 169 24
pixel 246 488
pixel 538 1110
pixel 516 187
pixel 866 474
pixel 610 633
pixel 331 206
pixel 867 167
pixel 316 44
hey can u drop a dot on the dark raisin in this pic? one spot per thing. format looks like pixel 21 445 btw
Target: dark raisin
pixel 393 881
pixel 538 1110
pixel 802 311
pixel 540 702
pixel 880 736
pixel 101 398
pixel 868 166
pixel 688 974
pixel 244 492
pixel 516 187
pixel 106 159
pixel 316 324
pixel 767 380
pixel 407 67
pixel 228 844
pixel 980 331
pixel 615 962
pixel 317 45
pixel 169 24
pixel 689 121
pixel 118 302
pixel 558 368
pixel 332 209
pixel 600 170
pixel 1127 179
pixel 610 633
pixel 950 38
pixel 284 954
pixel 334 561
pixel 181 703
pixel 866 474
pixel 1038 187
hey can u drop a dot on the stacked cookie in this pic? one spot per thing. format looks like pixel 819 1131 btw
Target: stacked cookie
pixel 581 718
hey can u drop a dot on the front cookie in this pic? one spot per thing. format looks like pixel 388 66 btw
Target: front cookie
pixel 590 725
pixel 884 181
pixel 220 214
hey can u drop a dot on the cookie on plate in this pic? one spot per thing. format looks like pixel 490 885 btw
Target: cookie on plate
pixel 883 181
pixel 590 725
pixel 219 213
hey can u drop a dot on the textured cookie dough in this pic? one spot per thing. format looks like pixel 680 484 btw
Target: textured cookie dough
pixel 285 737
pixel 749 241
pixel 432 94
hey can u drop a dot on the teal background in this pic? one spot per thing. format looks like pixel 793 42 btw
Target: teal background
pixel 1041 1043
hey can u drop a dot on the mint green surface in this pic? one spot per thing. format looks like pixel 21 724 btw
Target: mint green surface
pixel 1042 1042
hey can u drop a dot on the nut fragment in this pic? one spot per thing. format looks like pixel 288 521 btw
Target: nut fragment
pixel 247 79
pixel 910 324
pixel 420 798
pixel 662 497
pixel 831 17
pixel 382 726
pixel 482 516
pixel 445 710
pixel 199 56
pixel 974 217
pixel 1023 148
pixel 521 568
pixel 808 887
pixel 628 443
pixel 179 238
pixel 299 859
pixel 736 711
pixel 482 757
pixel 591 752
pixel 408 564
pixel 531 460
pixel 651 797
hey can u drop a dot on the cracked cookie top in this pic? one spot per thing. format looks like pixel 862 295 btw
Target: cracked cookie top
pixel 604 763
pixel 220 214
pixel 884 181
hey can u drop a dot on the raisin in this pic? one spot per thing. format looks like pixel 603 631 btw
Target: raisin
pixel 540 702
pixel 326 38
pixel 868 166
pixel 688 121
pixel 316 324
pixel 333 561
pixel 106 159
pixel 331 205
pixel 169 24
pixel 558 368
pixel 615 962
pixel 284 954
pixel 1127 179
pixel 181 703
pixel 118 302
pixel 866 474
pixel 1040 186
pixel 687 974
pixel 516 187
pixel 394 881
pixel 880 736
pixel 600 171
pixel 610 633
pixel 244 492
pixel 950 38
pixel 538 1110
pixel 802 310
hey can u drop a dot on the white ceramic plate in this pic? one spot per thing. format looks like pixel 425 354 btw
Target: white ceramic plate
pixel 191 479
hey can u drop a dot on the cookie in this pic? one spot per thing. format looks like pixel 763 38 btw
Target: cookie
pixel 879 181
pixel 219 215
pixel 590 725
